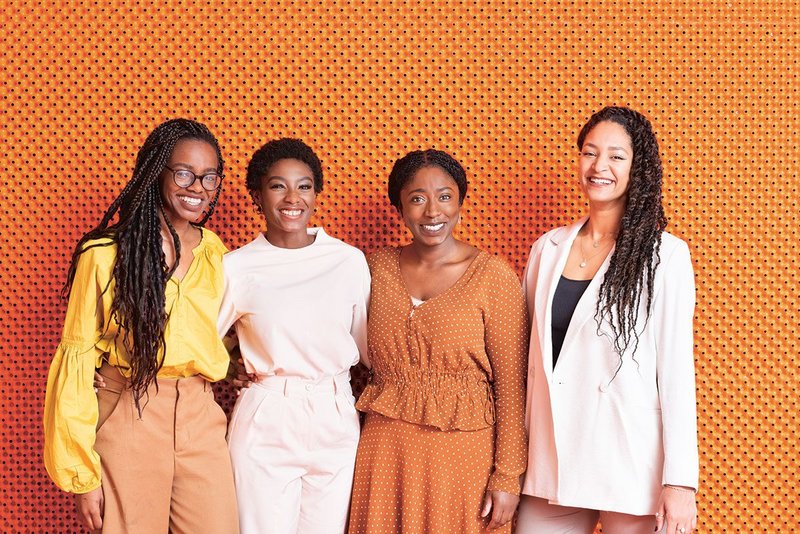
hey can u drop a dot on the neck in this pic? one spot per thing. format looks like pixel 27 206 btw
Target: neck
pixel 603 221
pixel 434 255
pixel 289 239
pixel 181 226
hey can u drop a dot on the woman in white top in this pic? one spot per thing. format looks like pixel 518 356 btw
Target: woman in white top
pixel 611 387
pixel 297 299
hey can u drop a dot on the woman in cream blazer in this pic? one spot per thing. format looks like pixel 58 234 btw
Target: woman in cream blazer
pixel 611 391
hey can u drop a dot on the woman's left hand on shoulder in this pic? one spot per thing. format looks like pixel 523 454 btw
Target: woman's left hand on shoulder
pixel 678 508
pixel 502 506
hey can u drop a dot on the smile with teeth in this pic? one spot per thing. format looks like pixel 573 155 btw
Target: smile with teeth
pixel 600 181
pixel 192 201
pixel 292 212
pixel 433 227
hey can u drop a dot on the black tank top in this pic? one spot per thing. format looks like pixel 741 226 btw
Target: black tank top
pixel 568 293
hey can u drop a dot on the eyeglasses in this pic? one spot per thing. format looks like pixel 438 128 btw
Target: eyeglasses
pixel 184 178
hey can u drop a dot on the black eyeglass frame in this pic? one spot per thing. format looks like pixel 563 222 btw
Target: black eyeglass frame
pixel 195 177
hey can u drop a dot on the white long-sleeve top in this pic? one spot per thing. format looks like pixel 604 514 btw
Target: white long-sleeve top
pixel 297 312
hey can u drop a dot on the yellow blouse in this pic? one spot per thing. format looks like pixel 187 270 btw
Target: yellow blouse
pixel 192 348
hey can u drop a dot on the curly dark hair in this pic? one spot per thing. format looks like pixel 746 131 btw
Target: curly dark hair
pixel 140 271
pixel 633 265
pixel 406 167
pixel 276 150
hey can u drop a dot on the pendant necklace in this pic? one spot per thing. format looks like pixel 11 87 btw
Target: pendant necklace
pixel 595 244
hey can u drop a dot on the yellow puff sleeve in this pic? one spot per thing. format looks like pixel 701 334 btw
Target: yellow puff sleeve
pixel 70 409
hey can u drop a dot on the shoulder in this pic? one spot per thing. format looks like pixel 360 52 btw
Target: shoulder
pixel 497 270
pixel 342 248
pixel 383 257
pixel 102 251
pixel 673 248
pixel 213 243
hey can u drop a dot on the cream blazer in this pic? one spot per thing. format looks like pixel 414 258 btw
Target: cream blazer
pixel 597 440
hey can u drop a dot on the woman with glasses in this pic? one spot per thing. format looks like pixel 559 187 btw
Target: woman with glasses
pixel 297 299
pixel 147 452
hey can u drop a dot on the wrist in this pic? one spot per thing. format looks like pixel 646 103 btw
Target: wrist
pixel 680 488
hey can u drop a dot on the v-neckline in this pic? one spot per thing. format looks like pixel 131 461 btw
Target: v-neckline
pixel 473 264
pixel 177 280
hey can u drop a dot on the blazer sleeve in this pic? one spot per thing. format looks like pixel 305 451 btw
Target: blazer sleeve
pixel 506 335
pixel 70 406
pixel 673 313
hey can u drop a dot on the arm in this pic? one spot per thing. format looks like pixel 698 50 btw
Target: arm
pixel 673 313
pixel 506 335
pixel 359 326
pixel 71 410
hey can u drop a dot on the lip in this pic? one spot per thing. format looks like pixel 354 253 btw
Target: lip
pixel 599 181
pixel 291 213
pixel 432 228
pixel 191 202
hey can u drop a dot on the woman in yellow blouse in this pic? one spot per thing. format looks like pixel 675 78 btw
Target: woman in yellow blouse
pixel 147 452
pixel 443 445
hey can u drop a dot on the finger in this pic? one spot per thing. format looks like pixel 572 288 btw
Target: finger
pixel 660 518
pixel 487 506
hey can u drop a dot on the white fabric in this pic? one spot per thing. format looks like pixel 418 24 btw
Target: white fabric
pixel 603 443
pixel 300 316
pixel 297 312
pixel 293 448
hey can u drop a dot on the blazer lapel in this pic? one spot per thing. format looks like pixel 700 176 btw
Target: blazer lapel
pixel 554 258
pixel 586 307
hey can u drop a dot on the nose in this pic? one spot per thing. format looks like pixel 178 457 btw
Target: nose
pixel 196 186
pixel 292 195
pixel 600 162
pixel 432 209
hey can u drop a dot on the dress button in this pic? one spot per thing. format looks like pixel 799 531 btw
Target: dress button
pixel 309 387
pixel 603 387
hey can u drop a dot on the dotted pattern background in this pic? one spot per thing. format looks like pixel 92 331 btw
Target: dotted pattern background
pixel 505 87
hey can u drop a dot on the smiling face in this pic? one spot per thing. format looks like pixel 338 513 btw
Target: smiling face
pixel 187 204
pixel 429 205
pixel 605 165
pixel 287 199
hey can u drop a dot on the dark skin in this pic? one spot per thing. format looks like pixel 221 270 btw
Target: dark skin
pixel 433 262
pixel 182 207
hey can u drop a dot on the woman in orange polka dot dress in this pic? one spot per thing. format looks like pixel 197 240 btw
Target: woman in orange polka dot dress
pixel 444 444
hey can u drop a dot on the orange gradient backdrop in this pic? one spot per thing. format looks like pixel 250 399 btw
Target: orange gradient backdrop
pixel 502 85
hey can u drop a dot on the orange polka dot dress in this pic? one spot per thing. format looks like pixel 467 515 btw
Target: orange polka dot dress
pixel 445 401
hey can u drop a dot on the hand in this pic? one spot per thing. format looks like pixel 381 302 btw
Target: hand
pixel 502 505
pixel 90 508
pixel 237 373
pixel 99 381
pixel 677 506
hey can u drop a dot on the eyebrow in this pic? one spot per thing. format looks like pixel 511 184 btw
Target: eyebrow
pixel 279 177
pixel 188 167
pixel 421 190
pixel 610 148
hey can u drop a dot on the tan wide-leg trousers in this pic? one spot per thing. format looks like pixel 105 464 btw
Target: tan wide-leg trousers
pixel 168 471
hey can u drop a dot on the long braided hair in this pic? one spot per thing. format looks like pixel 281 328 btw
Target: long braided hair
pixel 140 270
pixel 633 265
pixel 406 167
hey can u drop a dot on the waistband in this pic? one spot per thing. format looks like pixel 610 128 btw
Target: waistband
pixel 117 382
pixel 296 386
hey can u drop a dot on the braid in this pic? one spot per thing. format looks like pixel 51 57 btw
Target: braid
pixel 140 272
pixel 406 167
pixel 631 271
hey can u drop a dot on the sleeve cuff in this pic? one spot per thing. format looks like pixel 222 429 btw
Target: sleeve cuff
pixel 506 483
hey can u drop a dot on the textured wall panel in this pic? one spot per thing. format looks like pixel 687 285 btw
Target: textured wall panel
pixel 504 86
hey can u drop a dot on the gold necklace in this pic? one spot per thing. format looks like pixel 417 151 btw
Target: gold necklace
pixel 595 244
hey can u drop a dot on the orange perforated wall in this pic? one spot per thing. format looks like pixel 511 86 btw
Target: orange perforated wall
pixel 504 86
